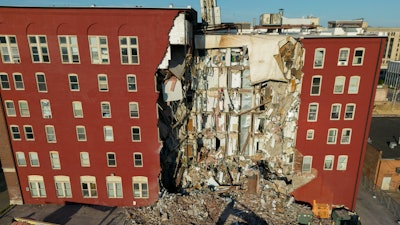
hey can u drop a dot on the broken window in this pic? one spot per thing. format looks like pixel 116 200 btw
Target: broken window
pixel 319 57
pixel 339 85
pixel 346 136
pixel 343 57
pixel 353 85
pixel 358 56
pixel 9 49
pixel 140 187
pixel 316 85
pixel 307 164
pixel 349 112
pixel 328 163
pixel 332 135
pixel 342 162
pixel 335 111
pixel 129 49
pixel 312 112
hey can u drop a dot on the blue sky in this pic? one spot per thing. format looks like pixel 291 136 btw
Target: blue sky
pixel 383 13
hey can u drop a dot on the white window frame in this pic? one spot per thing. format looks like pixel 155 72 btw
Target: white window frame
pixel 91 187
pixel 346 136
pixel 15 132
pixel 317 64
pixel 63 186
pixel 50 134
pixel 354 85
pixel 349 112
pixel 131 83
pixel 108 133
pixel 332 136
pixel 357 59
pixel 55 160
pixel 343 59
pixel 114 187
pixel 311 111
pixel 28 131
pixel 42 51
pixel 335 111
pixel 103 83
pixel 81 133
pixel 99 53
pixel 20 158
pixel 329 162
pixel 342 162
pixel 105 108
pixel 140 187
pixel 73 84
pixel 137 162
pixel 46 108
pixel 134 135
pixel 338 88
pixel 69 51
pixel 77 109
pixel 24 108
pixel 10 108
pixel 127 50
pixel 34 159
pixel 9 49
pixel 310 134
pixel 4 82
pixel 41 84
pixel 315 86
pixel 133 110
pixel 18 81
pixel 306 165
pixel 111 159
pixel 85 159
pixel 36 186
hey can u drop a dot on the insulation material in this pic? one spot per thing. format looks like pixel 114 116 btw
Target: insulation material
pixel 172 90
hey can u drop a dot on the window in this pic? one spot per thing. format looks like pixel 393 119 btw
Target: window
pixel 349 113
pixel 41 82
pixel 28 130
pixel 138 159
pixel 335 111
pixel 108 133
pixel 88 185
pixel 312 112
pixel 111 159
pixel 85 160
pixel 18 81
pixel 114 186
pixel 34 159
pixel 354 84
pixel 332 135
pixel 358 56
pixel 21 161
pixel 328 163
pixel 10 108
pixel 63 186
pixel 319 58
pixel 46 109
pixel 103 83
pixel 343 57
pixel 339 85
pixel 342 162
pixel 5 84
pixel 129 50
pixel 9 49
pixel 39 49
pixel 310 134
pixel 105 110
pixel 140 187
pixel 69 49
pixel 36 186
pixel 99 50
pixel 131 82
pixel 77 109
pixel 81 133
pixel 23 108
pixel 135 131
pixel 73 82
pixel 55 160
pixel 133 110
pixel 306 166
pixel 346 136
pixel 15 132
pixel 50 134
pixel 316 85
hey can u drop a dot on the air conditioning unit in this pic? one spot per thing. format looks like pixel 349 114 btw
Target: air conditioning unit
pixel 341 63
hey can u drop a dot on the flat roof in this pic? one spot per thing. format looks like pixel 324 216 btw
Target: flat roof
pixel 383 131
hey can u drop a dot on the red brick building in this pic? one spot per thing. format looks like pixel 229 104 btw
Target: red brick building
pixel 79 95
pixel 340 77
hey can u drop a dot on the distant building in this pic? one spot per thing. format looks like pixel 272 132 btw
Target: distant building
pixel 359 23
pixel 392 48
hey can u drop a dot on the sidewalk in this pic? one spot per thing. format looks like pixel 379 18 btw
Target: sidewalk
pixel 386 109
